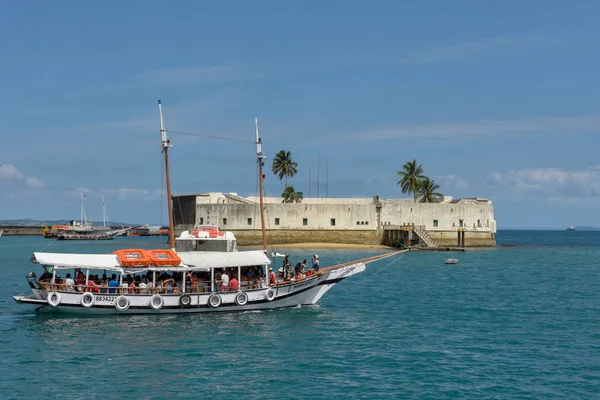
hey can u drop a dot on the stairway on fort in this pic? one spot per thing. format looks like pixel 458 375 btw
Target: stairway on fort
pixel 424 236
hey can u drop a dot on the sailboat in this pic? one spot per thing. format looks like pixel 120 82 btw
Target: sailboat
pixel 171 281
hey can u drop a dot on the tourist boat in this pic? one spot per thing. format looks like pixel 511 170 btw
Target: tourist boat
pixel 189 281
pixel 571 228
pixel 451 261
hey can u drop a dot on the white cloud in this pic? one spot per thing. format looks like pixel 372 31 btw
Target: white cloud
pixel 574 124
pixel 450 183
pixel 8 172
pixel 550 184
pixel 491 47
pixel 34 182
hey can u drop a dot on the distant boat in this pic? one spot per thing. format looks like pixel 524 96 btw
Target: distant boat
pixel 1 233
pixel 571 228
pixel 451 261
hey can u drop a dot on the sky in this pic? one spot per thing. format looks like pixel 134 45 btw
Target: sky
pixel 495 99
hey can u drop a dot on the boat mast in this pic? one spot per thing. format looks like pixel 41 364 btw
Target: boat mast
pixel 82 212
pixel 104 216
pixel 259 158
pixel 165 144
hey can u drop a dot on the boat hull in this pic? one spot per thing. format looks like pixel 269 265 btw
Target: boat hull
pixel 304 292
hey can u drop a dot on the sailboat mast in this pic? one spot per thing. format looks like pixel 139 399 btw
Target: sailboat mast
pixel 165 144
pixel 103 212
pixel 259 158
pixel 82 211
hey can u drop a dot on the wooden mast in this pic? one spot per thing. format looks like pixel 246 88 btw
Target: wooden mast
pixel 165 144
pixel 260 157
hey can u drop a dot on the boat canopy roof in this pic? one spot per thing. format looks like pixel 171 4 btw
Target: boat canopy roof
pixel 190 261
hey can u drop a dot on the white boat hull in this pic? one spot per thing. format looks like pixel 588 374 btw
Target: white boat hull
pixel 304 292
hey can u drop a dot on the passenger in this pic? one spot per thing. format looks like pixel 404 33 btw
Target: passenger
pixel 92 285
pixel 286 266
pixel 272 278
pixel 224 281
pixel 193 282
pixel 234 283
pixel 315 262
pixel 69 283
pixel 113 283
pixel 132 287
pixel 167 284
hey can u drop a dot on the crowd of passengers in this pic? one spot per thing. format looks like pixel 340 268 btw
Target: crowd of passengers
pixel 225 280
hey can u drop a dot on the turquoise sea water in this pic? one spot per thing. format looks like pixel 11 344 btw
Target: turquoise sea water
pixel 511 322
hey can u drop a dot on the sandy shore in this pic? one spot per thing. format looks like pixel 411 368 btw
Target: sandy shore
pixel 322 246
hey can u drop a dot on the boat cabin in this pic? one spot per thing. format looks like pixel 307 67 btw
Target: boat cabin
pixel 206 238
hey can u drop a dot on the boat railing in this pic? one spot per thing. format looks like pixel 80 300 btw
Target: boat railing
pixel 203 287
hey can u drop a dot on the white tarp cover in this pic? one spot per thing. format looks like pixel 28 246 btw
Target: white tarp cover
pixel 191 260
pixel 71 260
pixel 222 259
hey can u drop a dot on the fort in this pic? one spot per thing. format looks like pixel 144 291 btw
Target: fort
pixel 466 222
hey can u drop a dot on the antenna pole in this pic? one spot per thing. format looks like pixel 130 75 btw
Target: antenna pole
pixel 326 177
pixel 308 176
pixel 165 144
pixel 259 159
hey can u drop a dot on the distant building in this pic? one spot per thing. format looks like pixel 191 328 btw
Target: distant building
pixel 338 220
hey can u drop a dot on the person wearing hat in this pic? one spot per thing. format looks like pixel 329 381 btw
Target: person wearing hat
pixel 315 262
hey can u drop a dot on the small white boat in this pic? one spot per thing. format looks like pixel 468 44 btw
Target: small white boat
pixel 451 261
pixel 1 233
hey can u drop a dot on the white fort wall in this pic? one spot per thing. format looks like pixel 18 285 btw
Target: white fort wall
pixel 339 220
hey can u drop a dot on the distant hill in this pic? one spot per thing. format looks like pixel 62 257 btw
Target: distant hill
pixel 587 228
pixel 33 222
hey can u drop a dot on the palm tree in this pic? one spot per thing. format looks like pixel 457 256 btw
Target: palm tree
pixel 290 195
pixel 410 177
pixel 427 191
pixel 283 166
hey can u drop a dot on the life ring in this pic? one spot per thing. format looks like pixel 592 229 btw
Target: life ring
pixel 241 299
pixel 157 302
pixel 120 305
pixel 269 294
pixel 214 300
pixel 53 299
pixel 185 300
pixel 88 299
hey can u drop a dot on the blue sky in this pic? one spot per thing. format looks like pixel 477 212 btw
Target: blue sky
pixel 495 99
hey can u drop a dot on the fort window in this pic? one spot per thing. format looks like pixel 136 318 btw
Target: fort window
pixel 435 223
pixel 224 221
pixel 479 223
pixel 366 222
pixel 461 222
pixel 304 221
pixel 332 222
pixel 357 222
pixel 201 221
pixel 276 221
pixel 249 221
